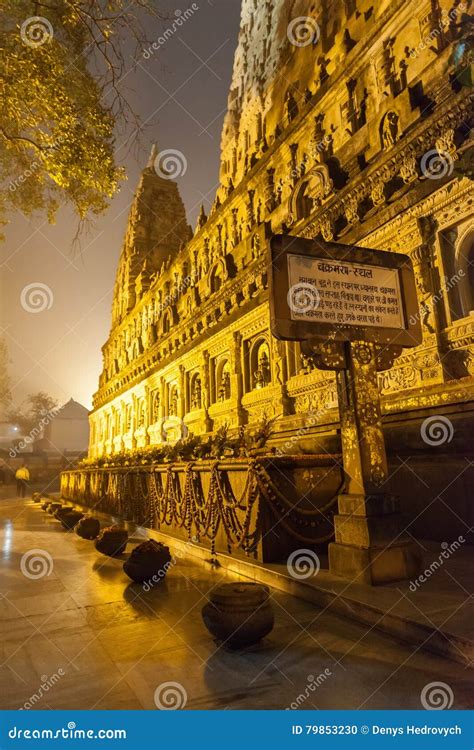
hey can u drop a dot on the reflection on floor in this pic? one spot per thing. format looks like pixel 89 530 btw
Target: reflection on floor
pixel 85 637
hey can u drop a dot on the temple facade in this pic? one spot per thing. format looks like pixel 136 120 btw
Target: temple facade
pixel 346 121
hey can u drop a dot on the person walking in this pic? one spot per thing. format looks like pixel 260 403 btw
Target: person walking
pixel 22 477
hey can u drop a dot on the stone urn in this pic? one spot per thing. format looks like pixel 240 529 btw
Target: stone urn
pixel 70 519
pixel 238 614
pixel 53 507
pixel 112 541
pixel 60 512
pixel 36 497
pixel 88 527
pixel 148 562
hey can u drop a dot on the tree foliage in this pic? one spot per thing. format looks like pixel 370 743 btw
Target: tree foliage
pixel 61 64
pixel 5 392
pixel 30 415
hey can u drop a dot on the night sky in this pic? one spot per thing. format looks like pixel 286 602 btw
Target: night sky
pixel 180 92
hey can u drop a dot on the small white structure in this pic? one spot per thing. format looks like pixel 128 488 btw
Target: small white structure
pixel 68 431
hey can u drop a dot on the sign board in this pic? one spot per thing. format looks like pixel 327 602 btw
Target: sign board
pixel 333 292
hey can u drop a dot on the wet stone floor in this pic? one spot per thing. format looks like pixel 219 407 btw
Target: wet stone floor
pixel 82 636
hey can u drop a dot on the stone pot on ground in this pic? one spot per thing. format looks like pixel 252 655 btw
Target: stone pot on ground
pixel 112 541
pixel 70 519
pixel 149 562
pixel 238 614
pixel 88 527
pixel 36 497
pixel 60 512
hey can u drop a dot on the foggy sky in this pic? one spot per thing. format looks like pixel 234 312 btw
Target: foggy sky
pixel 182 90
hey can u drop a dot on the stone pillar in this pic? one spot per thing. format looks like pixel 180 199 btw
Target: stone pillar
pixel 182 394
pixel 237 385
pixel 370 543
pixel 148 412
pixel 206 389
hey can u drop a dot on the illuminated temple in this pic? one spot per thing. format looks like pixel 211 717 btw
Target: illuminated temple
pixel 352 129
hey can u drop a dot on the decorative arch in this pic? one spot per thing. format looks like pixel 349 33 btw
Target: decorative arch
pixel 309 192
pixel 166 323
pixel 195 391
pixel 389 129
pixel 260 363
pixel 464 269
pixel 217 276
pixel 223 384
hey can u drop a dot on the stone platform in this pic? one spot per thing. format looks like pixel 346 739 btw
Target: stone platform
pixel 102 642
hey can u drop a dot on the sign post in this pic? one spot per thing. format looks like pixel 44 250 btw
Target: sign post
pixel 353 309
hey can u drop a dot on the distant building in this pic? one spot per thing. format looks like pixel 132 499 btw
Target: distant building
pixel 8 431
pixel 68 432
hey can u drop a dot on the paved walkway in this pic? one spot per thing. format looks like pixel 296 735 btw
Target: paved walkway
pixel 85 637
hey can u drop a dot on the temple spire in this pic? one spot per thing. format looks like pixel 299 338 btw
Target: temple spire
pixel 152 157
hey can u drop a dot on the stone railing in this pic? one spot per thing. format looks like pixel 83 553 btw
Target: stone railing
pixel 266 507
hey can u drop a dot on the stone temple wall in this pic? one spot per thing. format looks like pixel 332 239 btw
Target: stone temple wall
pixel 348 125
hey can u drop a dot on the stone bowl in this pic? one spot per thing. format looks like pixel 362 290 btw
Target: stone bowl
pixel 239 614
pixel 112 541
pixel 69 520
pixel 53 507
pixel 88 527
pixel 148 562
pixel 60 512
